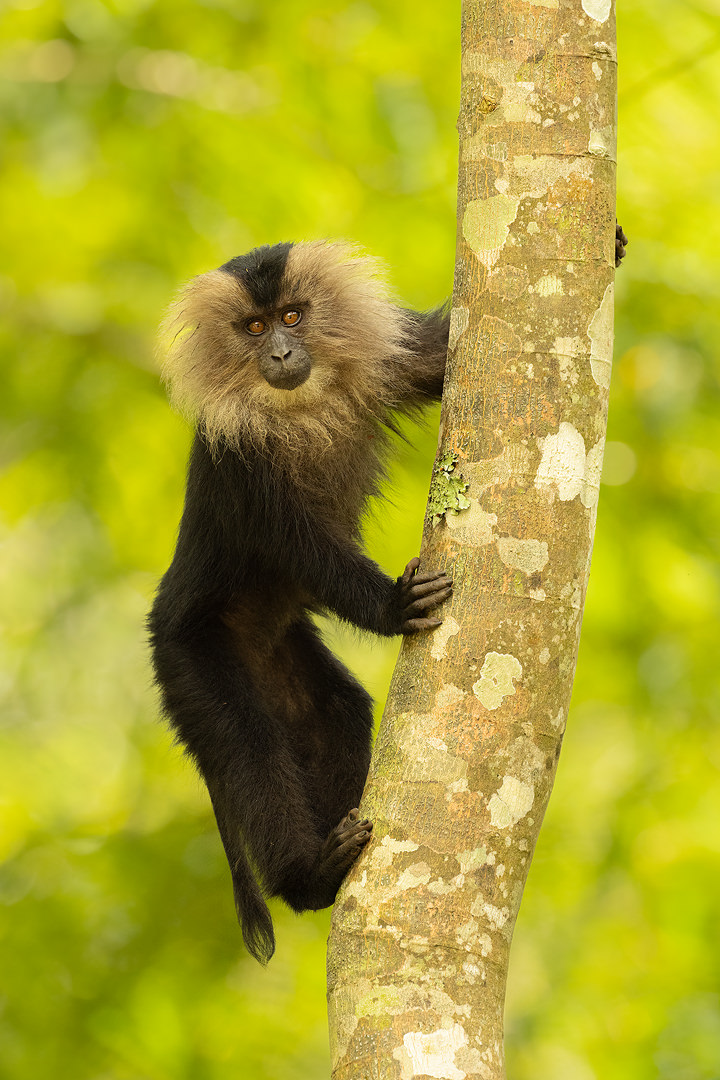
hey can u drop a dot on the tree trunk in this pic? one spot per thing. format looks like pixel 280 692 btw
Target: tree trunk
pixel 469 743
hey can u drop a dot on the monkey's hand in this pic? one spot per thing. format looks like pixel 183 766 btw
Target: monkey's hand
pixel 621 241
pixel 415 594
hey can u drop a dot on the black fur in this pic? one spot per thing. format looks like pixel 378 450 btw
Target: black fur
pixel 261 272
pixel 279 729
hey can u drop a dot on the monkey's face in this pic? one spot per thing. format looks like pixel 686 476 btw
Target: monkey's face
pixel 290 339
pixel 277 340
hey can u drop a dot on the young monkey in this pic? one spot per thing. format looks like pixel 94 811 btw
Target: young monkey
pixel 291 360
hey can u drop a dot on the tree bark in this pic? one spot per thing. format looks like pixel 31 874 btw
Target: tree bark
pixel 468 747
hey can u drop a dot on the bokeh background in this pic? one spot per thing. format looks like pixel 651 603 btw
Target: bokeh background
pixel 145 141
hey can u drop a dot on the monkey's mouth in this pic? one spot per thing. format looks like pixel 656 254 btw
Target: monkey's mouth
pixel 286 378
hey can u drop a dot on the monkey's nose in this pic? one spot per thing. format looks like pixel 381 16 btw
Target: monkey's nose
pixel 280 356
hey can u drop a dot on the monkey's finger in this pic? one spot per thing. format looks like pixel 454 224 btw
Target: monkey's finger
pixel 412 626
pixel 355 827
pixel 426 602
pixel 428 575
pixel 418 589
pixel 410 569
pixel 355 841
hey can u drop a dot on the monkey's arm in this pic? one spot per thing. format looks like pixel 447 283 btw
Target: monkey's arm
pixel 341 577
pixel 302 546
pixel 247 522
pixel 420 378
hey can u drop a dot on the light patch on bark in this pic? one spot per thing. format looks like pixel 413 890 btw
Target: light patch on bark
pixel 381 855
pixel 468 936
pixel 486 226
pixel 600 332
pixel 593 470
pixel 388 999
pixel 343 1031
pixel 567 368
pixel 549 285
pixel 544 655
pixel 525 760
pixel 566 349
pixel 597 9
pixel 562 462
pixel 459 318
pixel 597 70
pixel 427 757
pixel 496 679
pixel 472 1060
pixel 478 147
pixel 455 788
pixel 472 860
pixel 512 801
pixel 526 555
pixel 441 636
pixel 440 888
pixel 496 916
pixel 516 106
pixel 449 695
pixel 607 51
pixel 565 464
pixel 502 69
pixel 602 142
pixel 567 346
pixel 413 876
pixel 532 176
pixel 554 4
pixel 573 593
pixel 473 525
pixel 377 1000
pixel 432 1054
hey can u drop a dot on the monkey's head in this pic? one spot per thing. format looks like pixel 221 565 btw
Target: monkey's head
pixel 290 341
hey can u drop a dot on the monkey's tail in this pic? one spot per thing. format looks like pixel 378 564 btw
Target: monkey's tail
pixel 252 911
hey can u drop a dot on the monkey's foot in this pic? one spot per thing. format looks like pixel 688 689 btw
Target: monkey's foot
pixel 343 846
pixel 621 242
pixel 316 887
pixel 418 594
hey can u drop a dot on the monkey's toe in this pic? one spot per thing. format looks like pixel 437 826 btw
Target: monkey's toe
pixel 345 842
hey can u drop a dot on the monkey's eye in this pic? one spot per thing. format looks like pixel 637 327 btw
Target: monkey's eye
pixel 255 327
pixel 292 317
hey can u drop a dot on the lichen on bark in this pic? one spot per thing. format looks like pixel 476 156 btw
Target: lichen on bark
pixel 468 747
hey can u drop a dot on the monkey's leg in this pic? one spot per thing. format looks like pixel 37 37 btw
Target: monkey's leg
pixel 257 787
pixel 331 742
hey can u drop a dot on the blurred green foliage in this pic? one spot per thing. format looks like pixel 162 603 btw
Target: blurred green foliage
pixel 145 141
